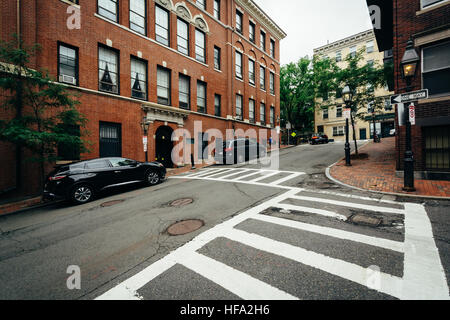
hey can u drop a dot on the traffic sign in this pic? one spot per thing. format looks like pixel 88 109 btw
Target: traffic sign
pixel 412 114
pixel 293 134
pixel 347 113
pixel 409 96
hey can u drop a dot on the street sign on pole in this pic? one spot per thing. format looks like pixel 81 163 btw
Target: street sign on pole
pixel 288 126
pixel 410 96
pixel 412 114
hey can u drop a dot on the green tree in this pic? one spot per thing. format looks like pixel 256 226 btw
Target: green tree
pixel 297 95
pixel 44 111
pixel 362 78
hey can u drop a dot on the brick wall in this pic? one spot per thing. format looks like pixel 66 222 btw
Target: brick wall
pixel 45 22
pixel 410 22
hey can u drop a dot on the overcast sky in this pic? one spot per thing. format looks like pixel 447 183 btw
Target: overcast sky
pixel 310 24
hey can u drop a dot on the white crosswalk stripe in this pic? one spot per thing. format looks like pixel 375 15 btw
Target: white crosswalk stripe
pixel 423 276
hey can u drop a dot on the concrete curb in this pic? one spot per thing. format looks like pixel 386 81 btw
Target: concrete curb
pixel 328 174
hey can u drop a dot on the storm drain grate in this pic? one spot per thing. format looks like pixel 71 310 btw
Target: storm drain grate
pixel 111 203
pixel 185 227
pixel 181 202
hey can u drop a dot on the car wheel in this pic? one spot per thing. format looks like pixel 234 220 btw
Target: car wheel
pixel 152 178
pixel 82 194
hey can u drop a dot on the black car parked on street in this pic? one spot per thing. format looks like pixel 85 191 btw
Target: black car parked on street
pixel 79 182
pixel 319 138
pixel 239 151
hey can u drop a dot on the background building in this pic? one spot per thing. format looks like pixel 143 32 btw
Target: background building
pixel 427 23
pixel 331 121
pixel 171 63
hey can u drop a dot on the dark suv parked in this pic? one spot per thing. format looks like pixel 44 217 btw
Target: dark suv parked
pixel 81 181
pixel 239 151
pixel 319 138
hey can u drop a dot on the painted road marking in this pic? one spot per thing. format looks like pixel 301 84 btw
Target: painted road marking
pixel 325 213
pixel 424 276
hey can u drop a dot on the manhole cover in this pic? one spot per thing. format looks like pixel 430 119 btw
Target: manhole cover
pixel 185 227
pixel 111 203
pixel 181 202
pixel 366 220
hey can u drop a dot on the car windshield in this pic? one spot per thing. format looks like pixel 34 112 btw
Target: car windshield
pixel 121 162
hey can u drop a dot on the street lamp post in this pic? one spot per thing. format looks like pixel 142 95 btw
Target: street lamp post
pixel 408 67
pixel 347 96
pixel 145 125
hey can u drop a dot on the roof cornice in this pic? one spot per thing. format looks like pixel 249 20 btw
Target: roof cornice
pixel 368 34
pixel 257 13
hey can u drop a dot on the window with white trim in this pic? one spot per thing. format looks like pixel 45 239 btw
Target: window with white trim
pixel 251 71
pixel 251 110
pixel 238 65
pixel 239 18
pixel 108 9
pixel 138 16
pixel 163 85
pixel 239 100
pixel 217 9
pixel 251 32
pixel 262 78
pixel 184 90
pixel 201 4
pixel 108 70
pixel 338 131
pixel 272 116
pixel 217 58
pixel 217 105
pixel 262 113
pixel 428 3
pixel 369 47
pixel 262 41
pixel 138 78
pixel 68 64
pixel 201 97
pixel 183 36
pixel 162 26
pixel 353 51
pixel 200 44
pixel 272 82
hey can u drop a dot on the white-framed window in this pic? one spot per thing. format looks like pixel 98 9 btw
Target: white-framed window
pixel 436 68
pixel 262 41
pixel 429 3
pixel 262 113
pixel 217 58
pixel 338 131
pixel 272 48
pixel 239 18
pixel 338 56
pixel 183 36
pixel 201 4
pixel 162 26
pixel 108 9
pixel 217 105
pixel 108 70
pixel 272 116
pixel 369 46
pixel 184 92
pixel 217 9
pixel 200 43
pixel 239 100
pixel 138 78
pixel 251 32
pixel 238 65
pixel 68 64
pixel 251 110
pixel 262 78
pixel 272 82
pixel 201 96
pixel 339 112
pixel 163 85
pixel 353 51
pixel 325 113
pixel 251 71
pixel 138 16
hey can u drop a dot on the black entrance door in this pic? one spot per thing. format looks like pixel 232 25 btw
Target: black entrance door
pixel 362 134
pixel 164 146
pixel 110 139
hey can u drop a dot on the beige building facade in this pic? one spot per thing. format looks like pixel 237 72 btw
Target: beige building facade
pixel 331 121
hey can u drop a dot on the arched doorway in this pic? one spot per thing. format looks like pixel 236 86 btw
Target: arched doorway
pixel 164 146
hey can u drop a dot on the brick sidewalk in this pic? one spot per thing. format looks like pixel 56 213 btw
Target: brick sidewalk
pixel 377 173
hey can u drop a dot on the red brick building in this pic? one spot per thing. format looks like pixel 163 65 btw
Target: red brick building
pixel 166 63
pixel 427 23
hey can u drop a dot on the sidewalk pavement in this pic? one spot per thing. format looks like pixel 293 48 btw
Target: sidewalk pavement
pixel 37 201
pixel 377 173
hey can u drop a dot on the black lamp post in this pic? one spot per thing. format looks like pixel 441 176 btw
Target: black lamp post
pixel 409 66
pixel 145 125
pixel 347 95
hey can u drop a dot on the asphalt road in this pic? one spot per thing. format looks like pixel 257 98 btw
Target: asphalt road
pixel 276 235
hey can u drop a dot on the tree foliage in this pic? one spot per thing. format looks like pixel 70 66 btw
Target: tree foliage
pixel 43 112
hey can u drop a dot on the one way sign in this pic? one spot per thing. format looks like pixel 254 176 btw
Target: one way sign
pixel 409 97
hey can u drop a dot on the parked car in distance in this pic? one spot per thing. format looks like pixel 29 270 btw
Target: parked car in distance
pixel 319 138
pixel 80 182
pixel 240 151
